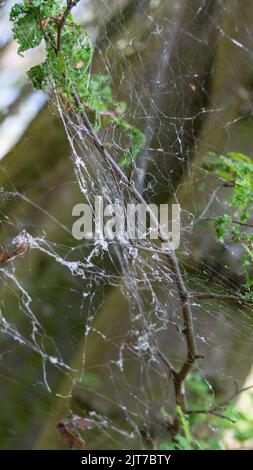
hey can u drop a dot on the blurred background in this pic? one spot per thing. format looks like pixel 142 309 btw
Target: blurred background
pixel 185 68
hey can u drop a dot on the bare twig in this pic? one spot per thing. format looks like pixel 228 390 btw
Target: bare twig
pixel 210 412
pixel 168 364
pixel 216 410
pixel 235 394
pixel 207 295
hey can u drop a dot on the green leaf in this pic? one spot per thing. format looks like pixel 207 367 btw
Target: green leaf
pixel 25 26
pixel 37 77
pixel 222 225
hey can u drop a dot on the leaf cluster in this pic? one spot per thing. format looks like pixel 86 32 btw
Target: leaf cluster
pixel 68 67
pixel 236 171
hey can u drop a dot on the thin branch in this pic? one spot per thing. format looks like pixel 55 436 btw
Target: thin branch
pixel 206 295
pixel 210 202
pixel 62 20
pixel 216 409
pixel 210 412
pixel 234 395
pixel 166 361
pixel 47 37
pixel 213 219
pixel 184 297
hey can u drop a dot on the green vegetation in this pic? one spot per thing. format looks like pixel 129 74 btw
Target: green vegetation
pixel 68 68
pixel 199 430
pixel 236 172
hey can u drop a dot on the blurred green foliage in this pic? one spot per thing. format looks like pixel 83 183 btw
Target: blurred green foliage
pixel 238 423
pixel 236 172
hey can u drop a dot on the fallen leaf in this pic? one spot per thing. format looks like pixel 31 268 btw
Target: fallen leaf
pixel 69 437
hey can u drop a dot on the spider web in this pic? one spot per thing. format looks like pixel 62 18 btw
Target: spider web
pixel 91 327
